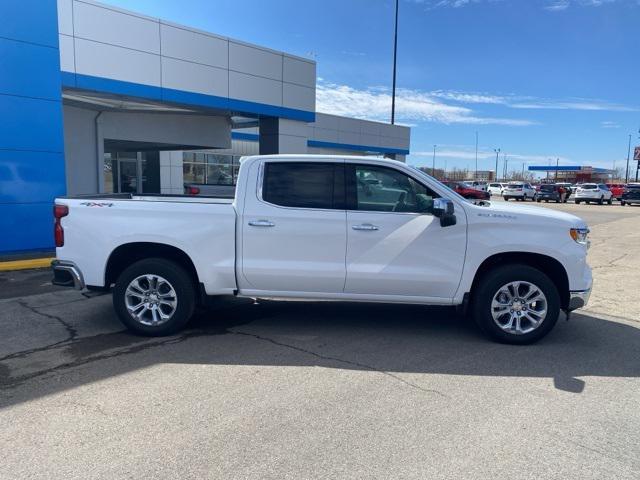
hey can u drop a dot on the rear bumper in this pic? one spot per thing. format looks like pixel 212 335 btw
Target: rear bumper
pixel 67 274
pixel 578 299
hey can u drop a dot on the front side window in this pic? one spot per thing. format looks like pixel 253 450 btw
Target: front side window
pixel 303 184
pixel 381 189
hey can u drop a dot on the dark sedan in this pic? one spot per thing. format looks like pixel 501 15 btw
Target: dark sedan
pixel 551 192
pixel 631 194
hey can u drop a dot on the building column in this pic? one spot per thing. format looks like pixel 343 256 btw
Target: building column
pixel 278 135
pixel 31 136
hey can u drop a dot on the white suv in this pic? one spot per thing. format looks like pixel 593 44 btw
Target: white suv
pixel 593 192
pixel 520 191
pixel 497 188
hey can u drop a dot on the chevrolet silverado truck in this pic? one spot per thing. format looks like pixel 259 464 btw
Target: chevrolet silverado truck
pixel 325 227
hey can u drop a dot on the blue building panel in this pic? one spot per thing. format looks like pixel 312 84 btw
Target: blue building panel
pixel 25 78
pixel 34 21
pixel 31 177
pixel 30 124
pixel 31 131
pixel 26 227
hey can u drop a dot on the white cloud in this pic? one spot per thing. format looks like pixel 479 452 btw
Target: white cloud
pixel 609 124
pixel 458 152
pixel 411 105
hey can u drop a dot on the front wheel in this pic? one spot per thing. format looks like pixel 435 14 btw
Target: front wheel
pixel 622 203
pixel 516 304
pixel 610 201
pixel 577 202
pixel 154 297
pixel 601 201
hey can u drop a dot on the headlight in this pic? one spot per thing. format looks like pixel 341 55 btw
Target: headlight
pixel 580 235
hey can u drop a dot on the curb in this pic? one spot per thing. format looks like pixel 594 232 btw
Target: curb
pixel 25 264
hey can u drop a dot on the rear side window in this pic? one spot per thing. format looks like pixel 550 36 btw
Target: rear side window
pixel 304 184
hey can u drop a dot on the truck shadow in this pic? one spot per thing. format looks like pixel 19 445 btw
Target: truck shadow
pixel 386 338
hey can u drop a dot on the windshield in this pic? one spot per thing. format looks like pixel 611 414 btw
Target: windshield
pixel 634 187
pixel 589 186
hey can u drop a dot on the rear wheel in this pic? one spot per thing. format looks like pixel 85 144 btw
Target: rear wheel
pixel 516 304
pixel 610 201
pixel 506 199
pixel 623 203
pixel 601 200
pixel 577 202
pixel 154 297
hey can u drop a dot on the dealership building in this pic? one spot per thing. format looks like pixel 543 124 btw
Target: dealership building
pixel 96 99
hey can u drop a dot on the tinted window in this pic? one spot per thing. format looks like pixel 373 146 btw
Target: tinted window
pixel 302 185
pixel 589 186
pixel 547 188
pixel 381 189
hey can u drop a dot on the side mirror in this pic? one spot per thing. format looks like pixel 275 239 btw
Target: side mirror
pixel 443 209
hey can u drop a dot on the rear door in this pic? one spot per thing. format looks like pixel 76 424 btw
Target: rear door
pixel 294 227
pixel 395 246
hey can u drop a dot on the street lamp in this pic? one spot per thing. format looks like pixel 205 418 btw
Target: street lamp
pixel 433 168
pixel 395 53
pixel 497 150
pixel 626 179
pixel 476 176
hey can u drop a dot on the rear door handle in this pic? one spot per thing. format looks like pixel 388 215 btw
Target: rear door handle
pixel 261 223
pixel 366 227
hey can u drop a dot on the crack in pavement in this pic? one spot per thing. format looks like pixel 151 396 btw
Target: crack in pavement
pixel 340 360
pixel 72 334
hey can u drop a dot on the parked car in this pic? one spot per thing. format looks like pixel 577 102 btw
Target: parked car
pixel 553 192
pixel 478 185
pixel 496 188
pixel 631 194
pixel 617 189
pixel 467 192
pixel 593 192
pixel 520 191
pixel 330 228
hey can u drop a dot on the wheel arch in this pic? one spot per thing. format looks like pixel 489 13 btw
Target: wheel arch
pixel 129 253
pixel 546 264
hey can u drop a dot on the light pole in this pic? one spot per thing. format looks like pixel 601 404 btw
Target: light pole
pixel 395 53
pixel 476 175
pixel 557 162
pixel 626 179
pixel 433 168
pixel 505 160
pixel 497 150
pixel 523 171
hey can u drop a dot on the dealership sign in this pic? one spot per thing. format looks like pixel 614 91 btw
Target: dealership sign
pixel 636 154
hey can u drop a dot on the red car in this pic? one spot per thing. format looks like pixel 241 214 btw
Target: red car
pixel 467 192
pixel 617 189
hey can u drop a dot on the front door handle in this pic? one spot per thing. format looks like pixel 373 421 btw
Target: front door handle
pixel 261 223
pixel 366 227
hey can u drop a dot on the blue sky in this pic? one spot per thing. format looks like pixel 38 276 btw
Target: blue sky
pixel 540 79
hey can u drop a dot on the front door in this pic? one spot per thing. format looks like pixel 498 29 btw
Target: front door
pixel 293 227
pixel 395 246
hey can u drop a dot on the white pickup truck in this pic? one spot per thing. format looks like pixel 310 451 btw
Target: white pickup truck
pixel 330 228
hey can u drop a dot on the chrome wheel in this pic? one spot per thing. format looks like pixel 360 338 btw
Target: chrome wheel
pixel 519 308
pixel 151 300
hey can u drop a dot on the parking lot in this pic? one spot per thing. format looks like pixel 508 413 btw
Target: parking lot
pixel 320 390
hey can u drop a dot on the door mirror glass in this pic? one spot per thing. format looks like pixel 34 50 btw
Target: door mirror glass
pixel 444 209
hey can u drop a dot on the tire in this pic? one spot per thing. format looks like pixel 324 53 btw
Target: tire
pixel 492 283
pixel 538 200
pixel 601 201
pixel 175 284
pixel 577 202
pixel 622 203
pixel 506 199
pixel 610 201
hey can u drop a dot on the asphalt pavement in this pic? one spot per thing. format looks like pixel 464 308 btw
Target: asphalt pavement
pixel 291 390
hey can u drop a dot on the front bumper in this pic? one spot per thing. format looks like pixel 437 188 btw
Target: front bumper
pixel 67 274
pixel 578 299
